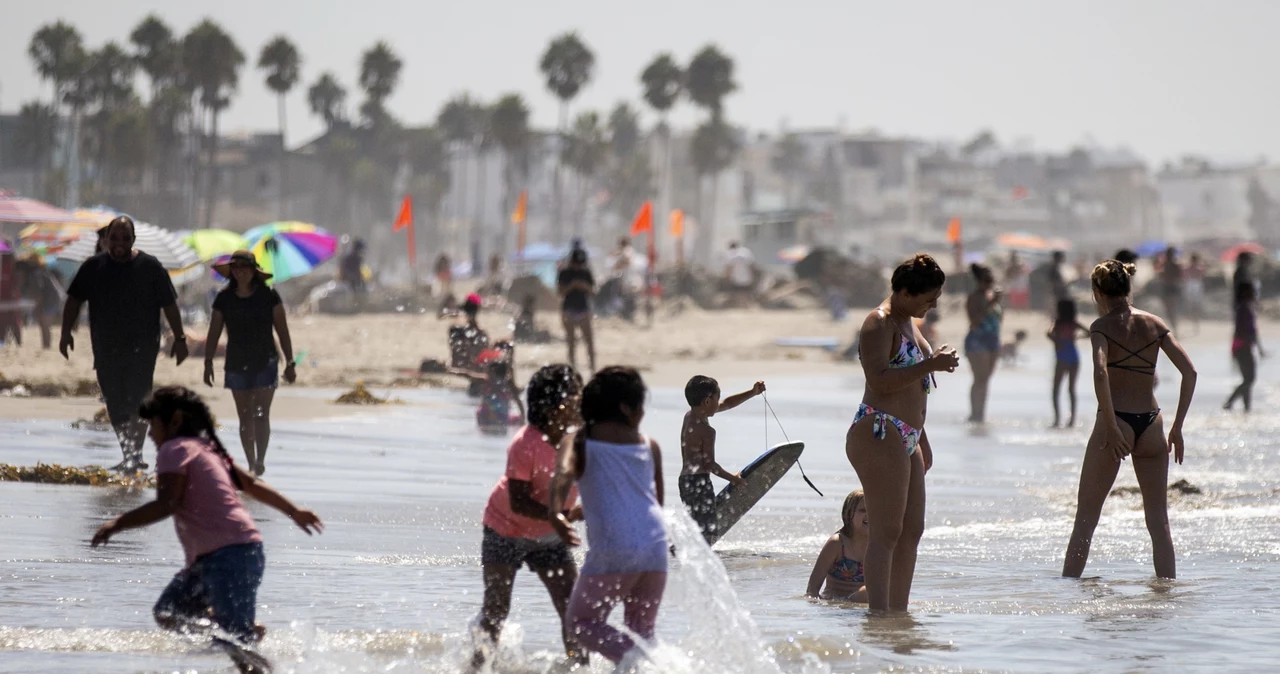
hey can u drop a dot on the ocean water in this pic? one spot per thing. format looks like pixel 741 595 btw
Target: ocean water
pixel 394 583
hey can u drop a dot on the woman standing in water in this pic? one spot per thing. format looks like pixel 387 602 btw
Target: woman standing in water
pixel 1243 343
pixel 1125 343
pixel 577 288
pixel 982 344
pixel 517 520
pixel 888 428
pixel 250 310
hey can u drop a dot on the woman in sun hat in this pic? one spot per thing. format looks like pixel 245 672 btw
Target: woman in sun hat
pixel 250 310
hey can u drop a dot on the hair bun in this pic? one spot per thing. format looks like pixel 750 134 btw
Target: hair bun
pixel 1129 268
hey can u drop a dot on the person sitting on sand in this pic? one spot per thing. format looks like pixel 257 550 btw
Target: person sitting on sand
pixel 468 340
pixel 526 328
pixel 1009 350
pixel 198 485
pixel 1063 333
pixel 698 448
pixel 619 474
pixel 839 564
pixel 1125 345
pixel 517 529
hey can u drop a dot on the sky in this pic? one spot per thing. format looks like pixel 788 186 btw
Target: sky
pixel 1164 78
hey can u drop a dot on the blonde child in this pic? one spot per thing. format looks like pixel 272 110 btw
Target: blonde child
pixel 839 564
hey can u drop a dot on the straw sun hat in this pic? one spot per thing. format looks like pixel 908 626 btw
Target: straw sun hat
pixel 240 257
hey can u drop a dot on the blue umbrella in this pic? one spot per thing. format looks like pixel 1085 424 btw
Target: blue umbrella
pixel 1151 248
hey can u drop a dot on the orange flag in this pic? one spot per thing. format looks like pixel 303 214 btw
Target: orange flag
pixel 522 208
pixel 953 231
pixel 677 223
pixel 644 219
pixel 406 214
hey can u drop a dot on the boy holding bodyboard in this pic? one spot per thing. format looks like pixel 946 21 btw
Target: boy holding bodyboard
pixel 698 448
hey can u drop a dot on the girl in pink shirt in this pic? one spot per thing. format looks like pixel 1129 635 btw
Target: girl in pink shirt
pixel 197 484
pixel 517 520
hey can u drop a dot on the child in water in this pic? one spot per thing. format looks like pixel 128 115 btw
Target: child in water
pixel 498 389
pixel 197 484
pixel 619 474
pixel 698 448
pixel 1064 332
pixel 839 564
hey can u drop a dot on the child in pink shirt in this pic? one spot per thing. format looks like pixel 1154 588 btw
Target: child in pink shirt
pixel 517 526
pixel 197 485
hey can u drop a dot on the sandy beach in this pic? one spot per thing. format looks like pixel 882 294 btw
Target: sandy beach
pixel 384 350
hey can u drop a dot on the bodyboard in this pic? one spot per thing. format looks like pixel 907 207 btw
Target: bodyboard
pixel 734 501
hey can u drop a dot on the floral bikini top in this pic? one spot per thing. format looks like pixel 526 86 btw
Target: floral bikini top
pixel 909 354
pixel 846 568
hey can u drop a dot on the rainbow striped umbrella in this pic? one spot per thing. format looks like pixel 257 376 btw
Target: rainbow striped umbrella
pixel 290 249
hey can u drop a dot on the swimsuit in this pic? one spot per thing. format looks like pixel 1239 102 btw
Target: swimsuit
pixel 846 569
pixel 1138 421
pixel 1064 346
pixel 908 354
pixel 985 337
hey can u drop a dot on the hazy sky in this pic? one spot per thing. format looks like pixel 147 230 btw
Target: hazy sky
pixel 1164 77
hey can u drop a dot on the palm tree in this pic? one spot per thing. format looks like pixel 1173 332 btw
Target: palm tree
pixel 567 66
pixel 663 82
pixel 58 52
pixel 379 74
pixel 790 159
pixel 109 72
pixel 585 153
pixel 428 154
pixel 280 60
pixel 509 124
pixel 326 98
pixel 712 150
pixel 155 50
pixel 37 137
pixel 624 131
pixel 708 80
pixel 457 123
pixel 212 60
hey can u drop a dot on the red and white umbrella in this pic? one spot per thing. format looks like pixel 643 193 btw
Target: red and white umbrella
pixel 14 208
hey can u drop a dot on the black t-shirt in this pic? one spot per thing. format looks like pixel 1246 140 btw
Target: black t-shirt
pixel 249 321
pixel 125 299
pixel 578 301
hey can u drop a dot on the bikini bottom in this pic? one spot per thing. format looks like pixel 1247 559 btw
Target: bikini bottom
pixel 879 426
pixel 1138 421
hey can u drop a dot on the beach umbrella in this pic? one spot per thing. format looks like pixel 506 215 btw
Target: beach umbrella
pixel 287 226
pixel 14 208
pixel 1230 254
pixel 172 253
pixel 211 243
pixel 291 252
pixel 1151 248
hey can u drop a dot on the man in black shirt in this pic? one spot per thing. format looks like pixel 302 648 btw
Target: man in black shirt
pixel 126 291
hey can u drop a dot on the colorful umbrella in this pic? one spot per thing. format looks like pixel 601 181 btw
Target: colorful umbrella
pixel 173 254
pixel 14 208
pixel 211 243
pixel 283 227
pixel 1230 254
pixel 290 253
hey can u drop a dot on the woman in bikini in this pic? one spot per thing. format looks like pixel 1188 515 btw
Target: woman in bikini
pixel 889 428
pixel 982 344
pixel 1125 343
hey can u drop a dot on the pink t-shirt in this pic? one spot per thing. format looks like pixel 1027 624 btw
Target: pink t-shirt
pixel 211 515
pixel 529 459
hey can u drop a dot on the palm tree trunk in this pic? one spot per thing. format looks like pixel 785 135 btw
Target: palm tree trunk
pixel 696 249
pixel 478 229
pixel 284 160
pixel 212 197
pixel 557 230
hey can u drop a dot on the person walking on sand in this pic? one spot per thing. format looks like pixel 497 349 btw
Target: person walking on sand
pixel 577 287
pixel 126 290
pixel 982 344
pixel 619 474
pixel 1125 343
pixel 198 485
pixel 250 310
pixel 1244 341
pixel 517 520
pixel 1171 286
pixel 887 444
pixel 740 273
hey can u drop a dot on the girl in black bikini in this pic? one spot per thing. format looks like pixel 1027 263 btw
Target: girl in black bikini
pixel 1125 343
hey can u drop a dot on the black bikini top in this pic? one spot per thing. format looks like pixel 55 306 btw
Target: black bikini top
pixel 1123 363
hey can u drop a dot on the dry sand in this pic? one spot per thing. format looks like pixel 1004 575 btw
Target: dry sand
pixel 378 349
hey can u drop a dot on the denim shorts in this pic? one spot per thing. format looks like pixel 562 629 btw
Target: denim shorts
pixel 220 586
pixel 538 554
pixel 247 380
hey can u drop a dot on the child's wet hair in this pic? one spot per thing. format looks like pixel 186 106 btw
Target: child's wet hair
pixel 608 391
pixel 548 390
pixel 471 306
pixel 699 388
pixel 197 419
pixel 1066 311
pixel 848 509
pixel 1113 278
pixel 917 276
